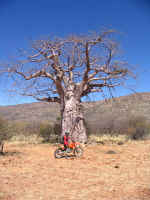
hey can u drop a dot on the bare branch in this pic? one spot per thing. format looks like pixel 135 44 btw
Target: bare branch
pixel 85 77
pixel 82 64
pixel 49 99
pixel 41 73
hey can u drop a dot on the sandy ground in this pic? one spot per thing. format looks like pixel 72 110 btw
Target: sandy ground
pixel 30 172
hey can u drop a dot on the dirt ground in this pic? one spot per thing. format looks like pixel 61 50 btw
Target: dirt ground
pixel 30 172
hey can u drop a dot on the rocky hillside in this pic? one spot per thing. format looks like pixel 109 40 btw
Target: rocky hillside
pixel 116 112
pixel 96 113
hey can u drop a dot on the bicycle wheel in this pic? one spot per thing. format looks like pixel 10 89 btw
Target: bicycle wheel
pixel 78 151
pixel 58 153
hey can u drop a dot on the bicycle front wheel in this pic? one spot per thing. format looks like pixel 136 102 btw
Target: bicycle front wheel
pixel 78 152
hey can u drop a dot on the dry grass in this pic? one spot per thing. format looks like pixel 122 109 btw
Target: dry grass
pixel 30 139
pixel 30 172
pixel 106 138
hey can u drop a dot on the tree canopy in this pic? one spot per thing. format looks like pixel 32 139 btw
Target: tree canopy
pixel 90 63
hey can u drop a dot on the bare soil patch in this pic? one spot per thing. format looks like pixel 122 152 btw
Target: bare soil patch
pixel 30 172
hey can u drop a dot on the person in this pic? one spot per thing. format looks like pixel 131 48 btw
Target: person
pixel 66 140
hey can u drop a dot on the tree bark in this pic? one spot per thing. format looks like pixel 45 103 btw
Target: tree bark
pixel 72 118
pixel 1 147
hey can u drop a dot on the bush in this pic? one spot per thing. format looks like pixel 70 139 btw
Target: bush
pixel 34 132
pixel 4 133
pixel 138 128
pixel 134 127
pixel 46 132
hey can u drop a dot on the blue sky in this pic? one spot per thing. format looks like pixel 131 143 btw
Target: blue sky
pixel 22 20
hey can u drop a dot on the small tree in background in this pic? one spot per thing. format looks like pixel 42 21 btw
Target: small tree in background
pixel 66 70
pixel 4 134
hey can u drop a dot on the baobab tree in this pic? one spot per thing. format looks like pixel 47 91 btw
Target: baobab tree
pixel 66 70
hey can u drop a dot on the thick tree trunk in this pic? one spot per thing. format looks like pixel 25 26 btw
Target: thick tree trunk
pixel 1 147
pixel 72 119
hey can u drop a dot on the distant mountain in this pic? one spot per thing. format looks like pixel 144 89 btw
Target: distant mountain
pixel 40 111
pixel 96 113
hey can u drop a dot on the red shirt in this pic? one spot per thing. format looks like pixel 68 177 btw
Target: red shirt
pixel 66 140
